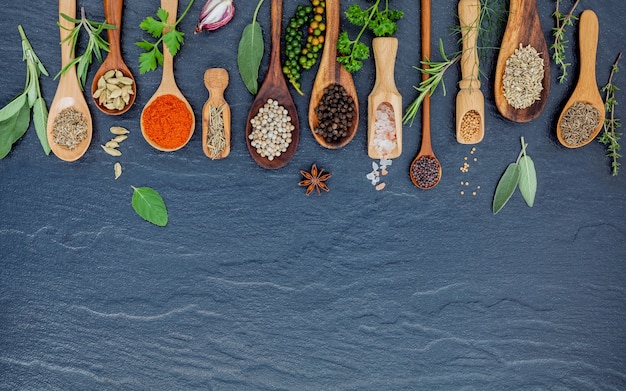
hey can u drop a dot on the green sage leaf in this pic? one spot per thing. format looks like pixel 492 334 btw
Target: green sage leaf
pixel 12 108
pixel 506 187
pixel 13 128
pixel 249 56
pixel 527 179
pixel 40 119
pixel 148 204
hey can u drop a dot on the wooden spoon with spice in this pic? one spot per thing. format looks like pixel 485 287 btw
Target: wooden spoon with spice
pixel 274 87
pixel 470 102
pixel 167 120
pixel 114 62
pixel 331 73
pixel 216 115
pixel 425 170
pixel 523 27
pixel 69 126
pixel 384 101
pixel 583 114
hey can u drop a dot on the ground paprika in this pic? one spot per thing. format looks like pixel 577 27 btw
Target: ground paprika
pixel 167 122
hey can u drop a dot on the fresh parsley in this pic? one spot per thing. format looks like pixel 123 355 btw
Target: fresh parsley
pixel 382 23
pixel 164 32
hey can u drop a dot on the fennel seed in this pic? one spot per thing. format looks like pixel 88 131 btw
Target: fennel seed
pixel 523 76
pixel 69 128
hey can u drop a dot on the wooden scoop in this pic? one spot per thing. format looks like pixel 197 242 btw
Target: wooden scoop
pixel 216 81
pixel 522 27
pixel 331 72
pixel 586 90
pixel 384 92
pixel 426 150
pixel 469 98
pixel 114 60
pixel 69 93
pixel 168 83
pixel 274 87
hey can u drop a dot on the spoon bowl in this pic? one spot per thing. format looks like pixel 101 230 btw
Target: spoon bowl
pixel 331 72
pixel 168 84
pixel 274 87
pixel 68 93
pixel 425 170
pixel 586 90
pixel 216 81
pixel 114 60
pixel 470 102
pixel 522 27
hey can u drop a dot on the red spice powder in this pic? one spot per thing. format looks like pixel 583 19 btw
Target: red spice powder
pixel 167 121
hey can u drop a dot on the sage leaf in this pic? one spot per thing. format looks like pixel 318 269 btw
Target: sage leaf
pixel 12 108
pixel 249 55
pixel 506 187
pixel 148 204
pixel 527 179
pixel 40 119
pixel 13 128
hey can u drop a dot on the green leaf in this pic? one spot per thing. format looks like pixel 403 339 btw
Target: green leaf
pixel 506 187
pixel 163 15
pixel 356 15
pixel 527 180
pixel 173 39
pixel 153 26
pixel 344 43
pixel 145 45
pixel 40 119
pixel 13 107
pixel 249 55
pixel 13 128
pixel 148 204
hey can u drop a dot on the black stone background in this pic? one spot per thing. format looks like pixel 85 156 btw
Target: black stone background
pixel 253 285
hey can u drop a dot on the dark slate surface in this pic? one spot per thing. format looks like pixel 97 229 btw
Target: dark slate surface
pixel 253 286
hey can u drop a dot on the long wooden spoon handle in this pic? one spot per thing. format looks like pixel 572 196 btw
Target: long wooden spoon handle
pixel 469 11
pixel 276 19
pixel 425 57
pixel 67 7
pixel 171 6
pixel 589 30
pixel 113 15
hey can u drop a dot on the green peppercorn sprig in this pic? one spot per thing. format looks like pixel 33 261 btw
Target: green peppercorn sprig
pixel 302 54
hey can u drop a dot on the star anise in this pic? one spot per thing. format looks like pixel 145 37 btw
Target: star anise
pixel 314 180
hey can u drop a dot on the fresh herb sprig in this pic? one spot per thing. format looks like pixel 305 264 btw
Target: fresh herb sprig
pixel 15 116
pixel 95 45
pixel 164 32
pixel 382 23
pixel 520 173
pixel 560 43
pixel 610 137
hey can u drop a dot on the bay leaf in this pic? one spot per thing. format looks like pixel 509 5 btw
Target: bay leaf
pixel 13 128
pixel 506 187
pixel 249 55
pixel 40 119
pixel 12 107
pixel 149 204
pixel 527 179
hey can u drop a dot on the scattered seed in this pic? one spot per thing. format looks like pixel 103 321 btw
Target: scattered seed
pixel 112 144
pixel 120 138
pixel 111 151
pixel 118 130
pixel 117 167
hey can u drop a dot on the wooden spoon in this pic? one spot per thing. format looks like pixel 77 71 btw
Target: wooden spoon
pixel 586 90
pixel 384 92
pixel 69 93
pixel 469 98
pixel 425 161
pixel 216 81
pixel 168 83
pixel 331 72
pixel 274 87
pixel 522 27
pixel 114 60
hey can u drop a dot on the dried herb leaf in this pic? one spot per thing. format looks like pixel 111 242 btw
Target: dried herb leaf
pixel 506 187
pixel 40 119
pixel 249 56
pixel 148 204
pixel 527 179
pixel 14 127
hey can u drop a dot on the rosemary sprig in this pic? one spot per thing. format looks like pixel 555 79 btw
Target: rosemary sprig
pixel 560 43
pixel 610 137
pixel 95 45
pixel 435 70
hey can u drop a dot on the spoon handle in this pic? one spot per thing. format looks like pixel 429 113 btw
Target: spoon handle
pixel 171 6
pixel 468 19
pixel 276 19
pixel 67 7
pixel 113 15
pixel 426 143
pixel 589 30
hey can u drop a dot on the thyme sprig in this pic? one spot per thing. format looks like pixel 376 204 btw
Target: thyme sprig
pixel 610 137
pixel 560 43
pixel 95 45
